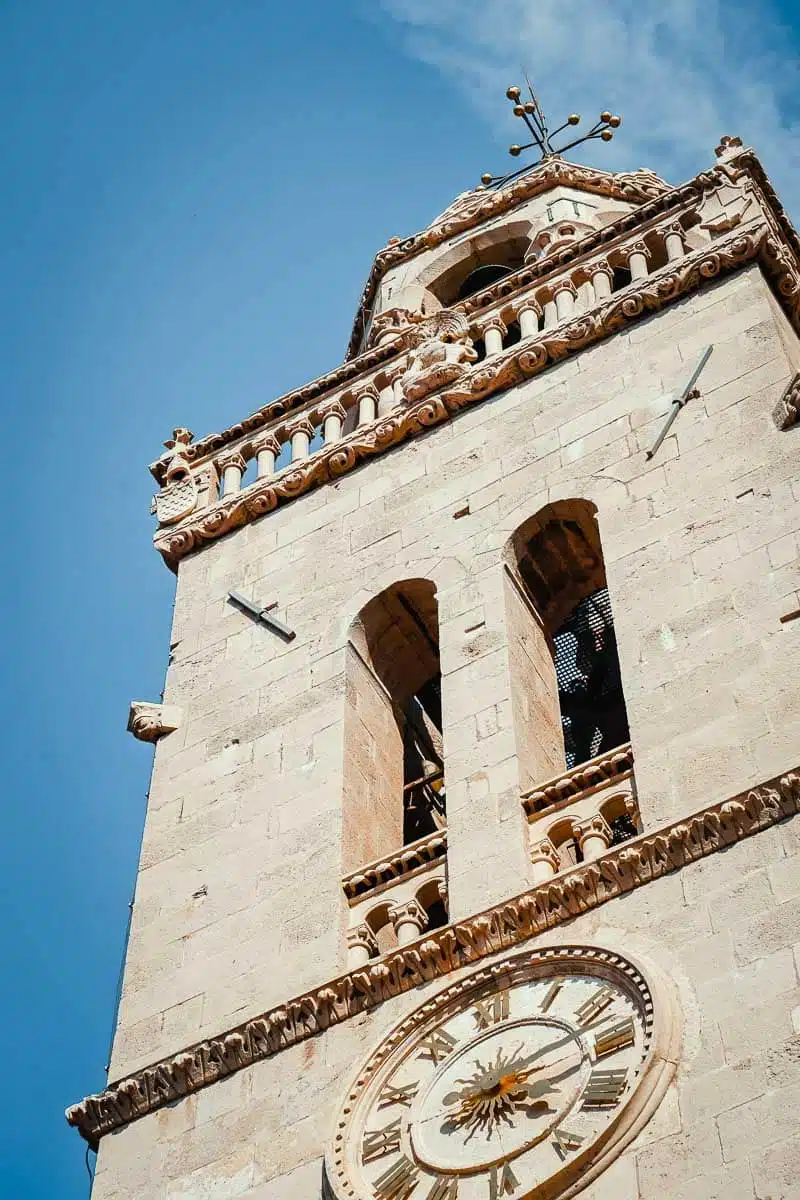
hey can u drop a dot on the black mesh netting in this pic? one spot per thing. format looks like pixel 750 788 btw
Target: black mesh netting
pixel 589 686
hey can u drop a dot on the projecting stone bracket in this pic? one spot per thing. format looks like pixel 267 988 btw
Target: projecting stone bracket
pixel 787 410
pixel 148 722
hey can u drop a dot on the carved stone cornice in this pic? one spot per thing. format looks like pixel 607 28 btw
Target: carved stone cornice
pixel 653 200
pixel 753 242
pixel 148 722
pixel 619 871
pixel 787 410
pixel 392 867
pixel 613 766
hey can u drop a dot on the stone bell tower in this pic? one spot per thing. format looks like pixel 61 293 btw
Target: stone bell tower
pixel 470 863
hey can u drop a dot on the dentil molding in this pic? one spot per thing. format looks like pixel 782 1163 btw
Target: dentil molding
pixel 584 887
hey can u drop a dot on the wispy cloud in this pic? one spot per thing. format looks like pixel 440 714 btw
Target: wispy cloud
pixel 682 72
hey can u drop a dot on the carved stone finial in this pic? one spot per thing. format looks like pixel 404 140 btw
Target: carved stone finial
pixel 728 147
pixel 148 721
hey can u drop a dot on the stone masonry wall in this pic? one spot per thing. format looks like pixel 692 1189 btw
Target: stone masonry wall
pixel 722 929
pixel 238 902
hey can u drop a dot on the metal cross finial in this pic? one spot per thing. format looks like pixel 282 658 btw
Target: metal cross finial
pixel 531 113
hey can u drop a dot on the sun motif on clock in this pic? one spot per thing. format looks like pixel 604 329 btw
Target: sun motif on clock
pixel 523 1080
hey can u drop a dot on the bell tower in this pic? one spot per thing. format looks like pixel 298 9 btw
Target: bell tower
pixel 470 861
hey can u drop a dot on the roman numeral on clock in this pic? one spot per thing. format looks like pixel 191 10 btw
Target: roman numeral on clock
pixel 592 1007
pixel 444 1189
pixel 502 1182
pixel 615 1037
pixel 550 995
pixel 378 1142
pixel 604 1088
pixel 491 1010
pixel 564 1142
pixel 398 1095
pixel 437 1045
pixel 398 1182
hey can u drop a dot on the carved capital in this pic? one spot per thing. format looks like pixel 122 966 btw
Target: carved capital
pixel 545 852
pixel 600 266
pixel 362 938
pixel 234 459
pixel 494 322
pixel 563 285
pixel 627 252
pixel 300 424
pixel 787 410
pixel 592 827
pixel 332 408
pixel 409 913
pixel 267 441
pixel 148 722
pixel 673 227
pixel 528 304
pixel 441 889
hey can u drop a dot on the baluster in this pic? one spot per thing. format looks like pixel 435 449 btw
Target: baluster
pixel 232 467
pixel 386 399
pixel 300 432
pixel 493 333
pixel 367 405
pixel 565 294
pixel 602 277
pixel 550 312
pixel 528 315
pixel 637 256
pixel 593 836
pixel 333 415
pixel 544 857
pixel 673 241
pixel 266 450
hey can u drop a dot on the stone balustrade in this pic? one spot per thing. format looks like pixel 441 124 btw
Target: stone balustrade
pixel 537 298
pixel 577 816
pixel 395 899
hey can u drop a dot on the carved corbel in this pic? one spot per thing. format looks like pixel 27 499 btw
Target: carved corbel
pixel 787 410
pixel 148 722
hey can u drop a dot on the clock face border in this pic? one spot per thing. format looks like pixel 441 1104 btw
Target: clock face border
pixel 659 1018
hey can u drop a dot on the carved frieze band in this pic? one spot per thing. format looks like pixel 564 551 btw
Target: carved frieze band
pixel 586 886
pixel 787 410
pixel 394 866
pixel 606 768
pixel 529 358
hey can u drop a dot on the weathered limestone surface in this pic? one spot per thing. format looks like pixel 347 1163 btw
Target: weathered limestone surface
pixel 238 902
pixel 724 929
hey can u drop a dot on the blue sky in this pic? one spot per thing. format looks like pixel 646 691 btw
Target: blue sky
pixel 192 195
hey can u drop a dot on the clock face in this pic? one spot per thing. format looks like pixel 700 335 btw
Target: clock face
pixel 523 1080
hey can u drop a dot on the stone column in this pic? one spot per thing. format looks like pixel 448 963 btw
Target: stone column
pixel 565 294
pixel 493 333
pixel 602 276
pixel 300 432
pixel 593 835
pixel 333 415
pixel 637 256
pixel 232 467
pixel 266 450
pixel 550 313
pixel 409 920
pixel 528 315
pixel 386 397
pixel 673 241
pixel 362 945
pixel 367 406
pixel 544 857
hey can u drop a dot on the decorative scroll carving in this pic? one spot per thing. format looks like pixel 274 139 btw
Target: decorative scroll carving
pixel 522 361
pixel 787 409
pixel 622 869
pixel 403 862
pixel 148 722
pixel 612 766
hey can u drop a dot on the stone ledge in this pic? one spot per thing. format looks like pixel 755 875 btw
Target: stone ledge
pixel 607 768
pixel 759 241
pixel 632 865
pixel 396 865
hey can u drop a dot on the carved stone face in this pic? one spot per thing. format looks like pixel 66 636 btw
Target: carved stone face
pixel 515 1082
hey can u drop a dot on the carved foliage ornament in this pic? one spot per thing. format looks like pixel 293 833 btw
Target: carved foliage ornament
pixel 787 409
pixel 529 358
pixel 528 1077
pixel 442 951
